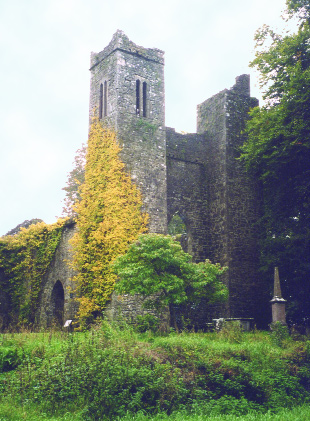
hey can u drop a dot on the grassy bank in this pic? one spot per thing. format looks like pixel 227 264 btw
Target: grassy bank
pixel 116 373
pixel 30 413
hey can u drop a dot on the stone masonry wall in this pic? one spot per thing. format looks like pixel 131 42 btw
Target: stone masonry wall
pixel 60 270
pixel 128 307
pixel 142 137
pixel 211 122
pixel 186 188
pixel 195 176
pixel 141 132
pixel 244 209
pixel 233 197
pixel 211 118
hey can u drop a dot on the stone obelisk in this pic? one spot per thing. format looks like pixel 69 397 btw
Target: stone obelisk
pixel 278 302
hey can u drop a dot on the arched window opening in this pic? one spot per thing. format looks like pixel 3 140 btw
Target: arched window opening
pixel 58 302
pixel 178 229
pixel 105 99
pixel 100 101
pixel 176 226
pixel 138 97
pixel 144 96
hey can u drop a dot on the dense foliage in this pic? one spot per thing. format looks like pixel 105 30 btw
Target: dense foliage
pixel 278 151
pixel 157 268
pixel 109 218
pixel 24 259
pixel 109 372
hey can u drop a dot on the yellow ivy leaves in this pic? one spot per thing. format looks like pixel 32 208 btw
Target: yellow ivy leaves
pixel 25 258
pixel 109 219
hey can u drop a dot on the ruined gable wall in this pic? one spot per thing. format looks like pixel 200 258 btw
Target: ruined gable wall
pixel 243 211
pixel 186 187
pixel 211 122
pixel 233 196
pixel 59 270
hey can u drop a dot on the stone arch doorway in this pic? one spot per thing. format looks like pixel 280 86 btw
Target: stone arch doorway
pixel 58 304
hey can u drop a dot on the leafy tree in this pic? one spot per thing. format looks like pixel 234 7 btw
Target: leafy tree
pixel 278 151
pixel 109 218
pixel 75 179
pixel 158 269
pixel 301 8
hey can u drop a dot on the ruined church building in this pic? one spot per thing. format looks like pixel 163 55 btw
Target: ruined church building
pixel 194 176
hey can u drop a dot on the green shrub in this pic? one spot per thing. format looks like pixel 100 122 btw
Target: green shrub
pixel 10 358
pixel 111 372
pixel 279 334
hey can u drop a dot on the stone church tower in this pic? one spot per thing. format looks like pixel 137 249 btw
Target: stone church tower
pixel 192 179
pixel 195 177
pixel 127 92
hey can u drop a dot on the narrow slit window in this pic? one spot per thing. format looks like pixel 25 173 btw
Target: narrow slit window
pixel 100 101
pixel 105 99
pixel 144 96
pixel 137 97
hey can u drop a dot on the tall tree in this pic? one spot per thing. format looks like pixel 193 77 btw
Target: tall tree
pixel 109 218
pixel 278 151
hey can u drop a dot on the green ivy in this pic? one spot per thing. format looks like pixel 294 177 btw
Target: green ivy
pixel 146 125
pixel 24 259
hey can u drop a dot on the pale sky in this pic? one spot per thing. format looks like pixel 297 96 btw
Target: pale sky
pixel 45 48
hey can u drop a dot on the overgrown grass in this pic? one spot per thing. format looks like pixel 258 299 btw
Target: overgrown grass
pixel 9 412
pixel 114 373
pixel 301 413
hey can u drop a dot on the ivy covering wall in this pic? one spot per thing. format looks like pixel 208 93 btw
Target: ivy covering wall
pixel 24 260
pixel 109 218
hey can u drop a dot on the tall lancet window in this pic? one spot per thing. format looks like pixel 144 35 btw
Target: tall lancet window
pixel 144 97
pixel 100 101
pixel 138 97
pixel 105 99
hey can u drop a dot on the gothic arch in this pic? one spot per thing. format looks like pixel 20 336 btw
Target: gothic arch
pixel 178 228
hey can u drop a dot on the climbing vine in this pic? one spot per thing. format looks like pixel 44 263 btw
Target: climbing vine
pixel 146 126
pixel 24 259
pixel 109 218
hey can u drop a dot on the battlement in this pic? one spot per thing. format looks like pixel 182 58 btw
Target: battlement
pixel 120 42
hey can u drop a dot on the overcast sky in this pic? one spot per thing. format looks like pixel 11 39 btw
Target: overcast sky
pixel 45 47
